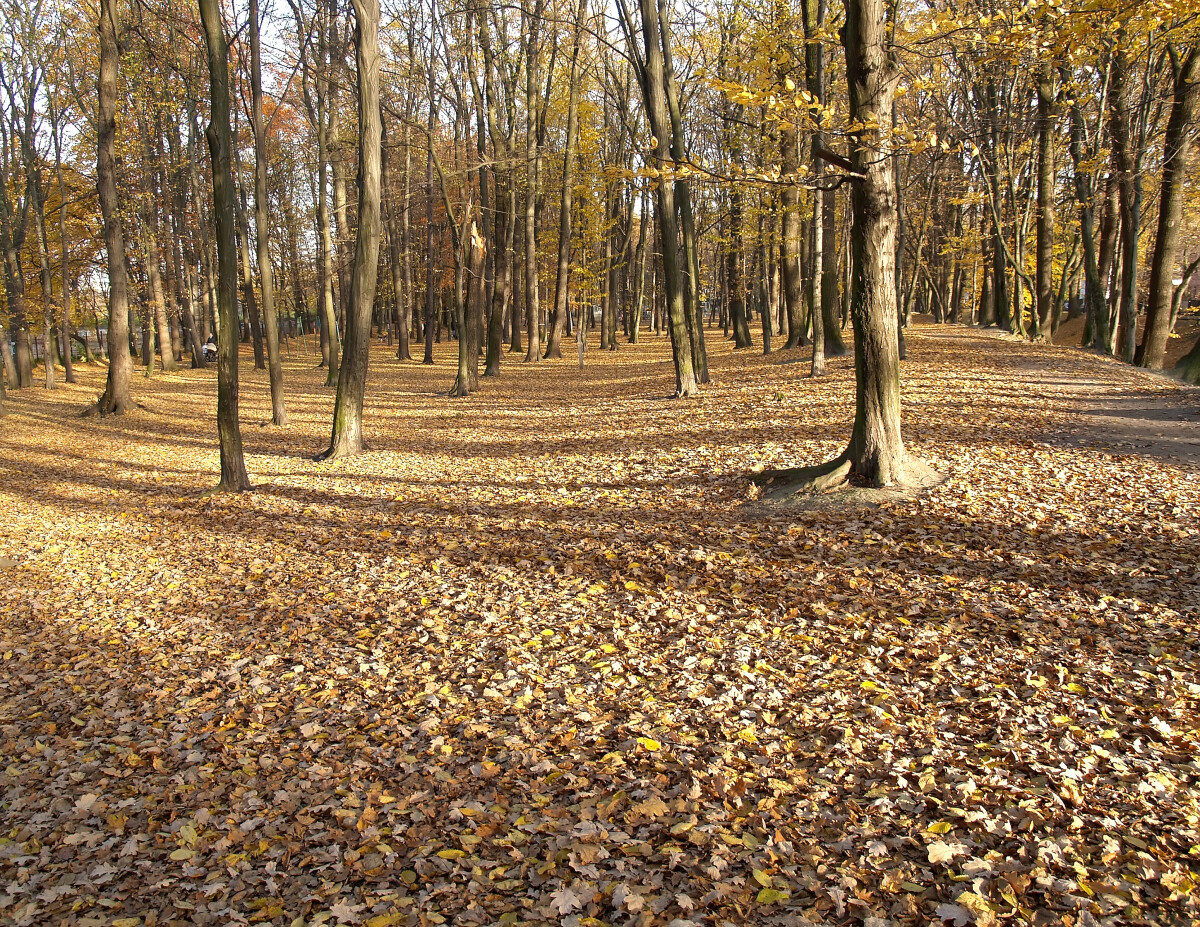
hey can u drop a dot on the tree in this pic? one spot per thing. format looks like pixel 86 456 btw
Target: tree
pixel 233 466
pixel 876 451
pixel 261 222
pixel 116 399
pixel 1185 102
pixel 347 437
pixel 559 318
pixel 651 71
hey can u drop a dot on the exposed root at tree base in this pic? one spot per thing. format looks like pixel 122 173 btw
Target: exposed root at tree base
pixel 222 488
pixel 834 484
pixel 340 452
pixel 96 408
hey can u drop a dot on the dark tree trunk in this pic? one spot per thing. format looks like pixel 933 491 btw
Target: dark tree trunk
pixel 1176 150
pixel 233 467
pixel 652 77
pixel 1130 187
pixel 1045 204
pixel 560 311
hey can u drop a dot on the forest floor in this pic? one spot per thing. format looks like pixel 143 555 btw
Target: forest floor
pixel 534 659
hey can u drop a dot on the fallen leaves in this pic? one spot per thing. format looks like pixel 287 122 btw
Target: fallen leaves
pixel 531 660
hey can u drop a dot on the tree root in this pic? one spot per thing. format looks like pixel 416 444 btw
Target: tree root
pixel 839 475
pixel 222 488
pixel 830 475
pixel 338 452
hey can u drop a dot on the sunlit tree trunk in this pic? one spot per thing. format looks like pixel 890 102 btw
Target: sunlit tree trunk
pixel 347 437
pixel 116 398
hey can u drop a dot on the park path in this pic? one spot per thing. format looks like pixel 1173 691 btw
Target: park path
pixel 1121 409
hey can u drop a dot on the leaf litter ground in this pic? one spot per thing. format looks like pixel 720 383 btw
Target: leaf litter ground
pixel 533 659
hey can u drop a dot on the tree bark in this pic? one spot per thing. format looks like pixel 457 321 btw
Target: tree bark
pixel 1176 150
pixel 347 437
pixel 533 350
pixel 1130 189
pixel 262 223
pixel 876 450
pixel 651 76
pixel 116 398
pixel 1045 204
pixel 233 467
pixel 683 201
pixel 559 320
pixel 791 228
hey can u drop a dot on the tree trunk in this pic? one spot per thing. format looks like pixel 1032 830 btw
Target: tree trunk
pixel 430 294
pixel 347 436
pixel 651 74
pixel 233 467
pixel 1130 188
pixel 533 350
pixel 1045 204
pixel 249 299
pixel 262 225
pixel 683 201
pixel 331 343
pixel 50 355
pixel 1176 150
pixel 876 451
pixel 790 232
pixel 116 398
pixel 814 17
pixel 559 319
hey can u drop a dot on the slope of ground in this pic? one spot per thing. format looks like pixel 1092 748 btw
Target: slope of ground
pixel 1187 330
pixel 532 658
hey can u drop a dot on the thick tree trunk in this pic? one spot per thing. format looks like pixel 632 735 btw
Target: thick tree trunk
pixel 1176 150
pixel 734 275
pixel 347 437
pixel 1085 188
pixel 469 310
pixel 504 229
pixel 116 398
pixel 233 467
pixel 876 451
pixel 683 201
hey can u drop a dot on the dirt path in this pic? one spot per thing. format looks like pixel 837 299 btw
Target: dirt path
pixel 1120 409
